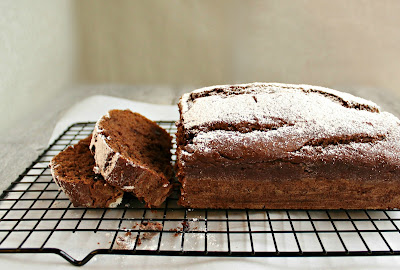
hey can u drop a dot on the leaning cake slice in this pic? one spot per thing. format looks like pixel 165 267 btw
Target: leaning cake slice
pixel 133 153
pixel 72 170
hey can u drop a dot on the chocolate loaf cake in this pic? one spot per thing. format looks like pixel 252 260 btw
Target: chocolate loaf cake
pixel 72 170
pixel 280 146
pixel 133 153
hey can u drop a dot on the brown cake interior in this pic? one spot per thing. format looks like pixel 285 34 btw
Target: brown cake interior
pixel 74 170
pixel 77 163
pixel 139 139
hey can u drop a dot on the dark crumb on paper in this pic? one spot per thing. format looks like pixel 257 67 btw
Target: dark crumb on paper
pixel 151 226
pixel 124 242
pixel 98 243
pixel 178 230
pixel 127 241
pixel 185 226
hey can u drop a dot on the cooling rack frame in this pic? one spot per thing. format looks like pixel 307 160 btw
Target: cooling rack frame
pixel 23 197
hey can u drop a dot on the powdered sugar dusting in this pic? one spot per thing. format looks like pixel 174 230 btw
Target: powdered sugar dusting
pixel 301 114
pixel 264 103
pixel 263 87
pixel 117 201
pixel 102 150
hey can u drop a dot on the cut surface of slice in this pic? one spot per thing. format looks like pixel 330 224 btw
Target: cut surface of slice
pixel 133 153
pixel 72 170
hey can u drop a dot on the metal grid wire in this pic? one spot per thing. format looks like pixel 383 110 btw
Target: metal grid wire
pixel 36 217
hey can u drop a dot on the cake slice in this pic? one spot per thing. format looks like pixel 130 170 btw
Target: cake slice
pixel 72 170
pixel 133 153
pixel 282 146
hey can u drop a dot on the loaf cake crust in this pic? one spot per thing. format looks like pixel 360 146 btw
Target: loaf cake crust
pixel 133 153
pixel 72 170
pixel 281 146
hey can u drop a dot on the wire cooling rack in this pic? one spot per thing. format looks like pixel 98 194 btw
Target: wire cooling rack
pixel 36 217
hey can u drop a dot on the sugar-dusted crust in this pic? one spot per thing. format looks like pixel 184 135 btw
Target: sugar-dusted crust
pixel 244 143
pixel 84 188
pixel 120 171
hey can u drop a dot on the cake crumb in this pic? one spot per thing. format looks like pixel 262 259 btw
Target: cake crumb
pixel 128 240
pixel 151 226
pixel 124 243
pixel 185 226
pixel 178 230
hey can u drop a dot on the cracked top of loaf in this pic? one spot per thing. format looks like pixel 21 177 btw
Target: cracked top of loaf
pixel 272 121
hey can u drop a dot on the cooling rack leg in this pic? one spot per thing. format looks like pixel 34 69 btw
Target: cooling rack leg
pixel 71 260
pixel 56 251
